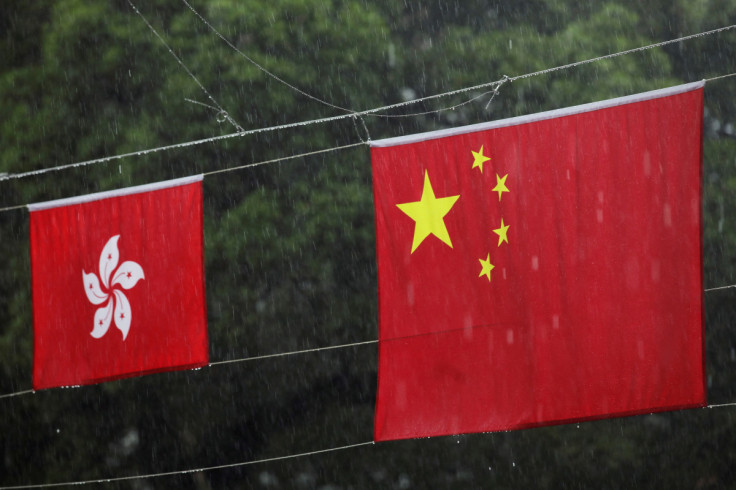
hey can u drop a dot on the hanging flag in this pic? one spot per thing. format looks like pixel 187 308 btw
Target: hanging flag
pixel 541 269
pixel 118 284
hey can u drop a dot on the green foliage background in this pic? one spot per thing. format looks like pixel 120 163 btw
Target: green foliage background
pixel 290 258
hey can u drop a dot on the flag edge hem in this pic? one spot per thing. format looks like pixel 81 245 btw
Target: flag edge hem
pixel 125 191
pixel 538 116
pixel 568 421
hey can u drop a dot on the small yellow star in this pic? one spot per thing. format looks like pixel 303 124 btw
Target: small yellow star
pixel 487 267
pixel 502 233
pixel 479 158
pixel 501 185
pixel 429 213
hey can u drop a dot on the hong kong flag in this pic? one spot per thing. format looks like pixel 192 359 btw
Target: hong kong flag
pixel 541 269
pixel 118 284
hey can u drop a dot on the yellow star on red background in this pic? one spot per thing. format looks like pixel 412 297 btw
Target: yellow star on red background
pixel 479 158
pixel 502 233
pixel 501 185
pixel 486 267
pixel 428 213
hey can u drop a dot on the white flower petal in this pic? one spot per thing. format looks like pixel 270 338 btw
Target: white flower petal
pixel 109 260
pixel 103 316
pixel 95 295
pixel 128 274
pixel 122 312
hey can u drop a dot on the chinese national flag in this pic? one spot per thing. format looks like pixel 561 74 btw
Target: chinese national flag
pixel 542 269
pixel 118 284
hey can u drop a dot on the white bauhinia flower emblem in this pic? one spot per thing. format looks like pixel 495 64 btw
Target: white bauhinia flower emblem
pixel 118 308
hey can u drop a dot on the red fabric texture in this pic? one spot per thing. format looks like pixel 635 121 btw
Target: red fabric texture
pixel 161 231
pixel 594 306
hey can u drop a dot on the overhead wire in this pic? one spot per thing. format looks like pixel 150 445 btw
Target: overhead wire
pixel 720 287
pixel 193 470
pixel 622 53
pixel 181 63
pixel 241 132
pixel 297 352
pixel 282 159
pixel 496 84
pixel 259 66
pixel 368 112
pixel 226 466
pixel 729 75
pixel 239 360
pixel 244 166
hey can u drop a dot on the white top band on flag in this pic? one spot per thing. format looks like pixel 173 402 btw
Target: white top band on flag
pixel 126 191
pixel 540 116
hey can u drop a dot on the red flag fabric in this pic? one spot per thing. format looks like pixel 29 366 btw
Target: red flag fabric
pixel 118 284
pixel 541 269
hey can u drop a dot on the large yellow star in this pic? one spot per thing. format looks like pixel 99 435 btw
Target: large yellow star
pixel 428 214
pixel 502 233
pixel 486 267
pixel 501 185
pixel 479 158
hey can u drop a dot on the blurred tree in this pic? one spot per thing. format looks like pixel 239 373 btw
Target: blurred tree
pixel 290 260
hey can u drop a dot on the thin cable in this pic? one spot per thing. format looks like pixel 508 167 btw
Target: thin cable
pixel 264 70
pixel 224 114
pixel 549 70
pixel 17 393
pixel 344 116
pixel 720 77
pixel 181 63
pixel 163 148
pixel 201 103
pixel 305 351
pixel 365 128
pixel 11 208
pixel 621 53
pixel 225 466
pixel 245 359
pixel 229 169
pixel 281 159
pixel 494 92
pixel 435 111
pixel 721 405
pixel 193 470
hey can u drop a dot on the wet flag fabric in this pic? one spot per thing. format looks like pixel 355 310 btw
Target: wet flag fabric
pixel 541 269
pixel 118 284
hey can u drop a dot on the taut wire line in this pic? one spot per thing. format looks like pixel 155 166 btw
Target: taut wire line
pixel 721 287
pixel 281 159
pixel 220 113
pixel 493 93
pixel 226 466
pixel 11 208
pixel 305 351
pixel 17 393
pixel 366 112
pixel 721 405
pixel 193 470
pixel 181 63
pixel 621 53
pixel 243 359
pixel 316 349
pixel 720 77
pixel 228 169
pixel 260 67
